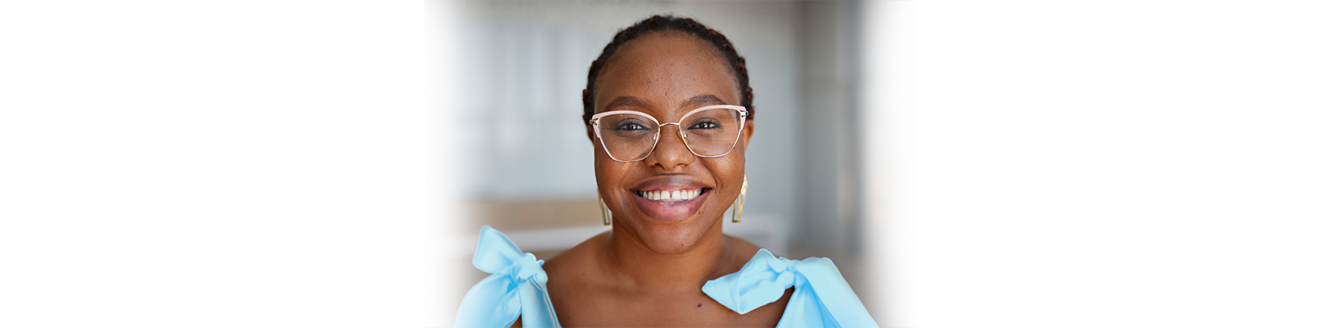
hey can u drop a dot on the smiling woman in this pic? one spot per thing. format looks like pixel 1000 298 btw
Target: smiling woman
pixel 665 262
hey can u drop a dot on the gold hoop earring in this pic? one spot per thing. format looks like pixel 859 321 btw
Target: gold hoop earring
pixel 605 211
pixel 740 202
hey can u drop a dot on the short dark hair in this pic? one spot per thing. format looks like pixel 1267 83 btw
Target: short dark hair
pixel 687 26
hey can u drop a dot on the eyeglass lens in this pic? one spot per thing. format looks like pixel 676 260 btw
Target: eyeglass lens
pixel 707 133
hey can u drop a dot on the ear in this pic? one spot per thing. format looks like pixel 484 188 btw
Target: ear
pixel 746 132
pixel 586 101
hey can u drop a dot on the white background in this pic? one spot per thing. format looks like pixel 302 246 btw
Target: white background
pixel 1152 164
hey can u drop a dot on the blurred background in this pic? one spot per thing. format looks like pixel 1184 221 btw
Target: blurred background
pixel 523 163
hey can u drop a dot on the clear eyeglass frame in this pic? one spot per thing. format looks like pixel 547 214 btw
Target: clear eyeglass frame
pixel 595 125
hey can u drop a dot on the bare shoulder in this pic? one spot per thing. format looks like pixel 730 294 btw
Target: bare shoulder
pixel 571 265
pixel 574 277
pixel 741 251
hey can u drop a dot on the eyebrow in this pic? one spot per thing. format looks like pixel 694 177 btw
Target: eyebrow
pixel 626 101
pixel 702 100
pixel 695 101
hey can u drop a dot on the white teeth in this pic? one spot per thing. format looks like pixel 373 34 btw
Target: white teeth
pixel 670 194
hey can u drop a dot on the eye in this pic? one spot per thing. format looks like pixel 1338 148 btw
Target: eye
pixel 629 126
pixel 704 125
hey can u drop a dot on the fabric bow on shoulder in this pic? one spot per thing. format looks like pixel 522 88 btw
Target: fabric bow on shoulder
pixel 821 299
pixel 517 283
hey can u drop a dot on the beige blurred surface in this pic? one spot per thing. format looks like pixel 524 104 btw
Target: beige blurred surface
pixel 535 214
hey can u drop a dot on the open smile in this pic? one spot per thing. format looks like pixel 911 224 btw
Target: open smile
pixel 670 199
pixel 670 196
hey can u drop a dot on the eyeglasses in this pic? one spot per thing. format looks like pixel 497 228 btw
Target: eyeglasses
pixel 630 136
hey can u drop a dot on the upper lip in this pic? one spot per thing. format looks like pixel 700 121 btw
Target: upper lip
pixel 670 182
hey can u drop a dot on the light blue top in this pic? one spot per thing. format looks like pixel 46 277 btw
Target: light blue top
pixel 517 289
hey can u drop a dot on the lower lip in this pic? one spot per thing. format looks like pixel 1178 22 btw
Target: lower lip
pixel 670 212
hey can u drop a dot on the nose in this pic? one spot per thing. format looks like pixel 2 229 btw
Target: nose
pixel 670 152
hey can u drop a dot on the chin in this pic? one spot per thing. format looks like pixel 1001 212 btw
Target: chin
pixel 671 239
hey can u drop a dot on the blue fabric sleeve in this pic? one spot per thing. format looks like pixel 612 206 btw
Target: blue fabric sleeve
pixel 516 288
pixel 822 297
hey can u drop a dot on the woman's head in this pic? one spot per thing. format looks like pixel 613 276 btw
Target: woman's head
pixel 658 73
pixel 685 26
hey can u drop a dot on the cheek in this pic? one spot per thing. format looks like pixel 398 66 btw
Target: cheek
pixel 602 171
pixel 727 170
pixel 609 174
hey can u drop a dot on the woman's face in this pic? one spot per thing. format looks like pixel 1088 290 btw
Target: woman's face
pixel 667 75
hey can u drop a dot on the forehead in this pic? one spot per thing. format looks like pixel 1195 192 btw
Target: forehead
pixel 665 70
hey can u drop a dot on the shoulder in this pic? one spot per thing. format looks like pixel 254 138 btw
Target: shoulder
pixel 581 261
pixel 577 279
pixel 741 251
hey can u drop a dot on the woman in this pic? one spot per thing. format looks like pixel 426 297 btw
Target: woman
pixel 669 111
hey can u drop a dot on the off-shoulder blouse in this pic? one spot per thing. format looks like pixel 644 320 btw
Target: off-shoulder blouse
pixel 516 289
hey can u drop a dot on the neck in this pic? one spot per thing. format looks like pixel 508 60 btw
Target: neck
pixel 648 270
